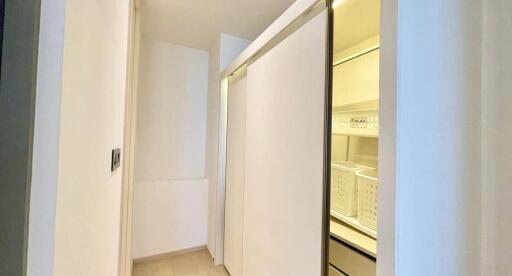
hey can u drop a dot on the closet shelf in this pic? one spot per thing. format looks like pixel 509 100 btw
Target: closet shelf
pixel 359 106
pixel 353 237
pixel 363 123
pixel 352 221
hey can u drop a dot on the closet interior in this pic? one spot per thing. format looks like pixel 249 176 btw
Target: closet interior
pixel 355 136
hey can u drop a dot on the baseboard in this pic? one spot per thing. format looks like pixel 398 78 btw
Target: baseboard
pixel 210 254
pixel 162 256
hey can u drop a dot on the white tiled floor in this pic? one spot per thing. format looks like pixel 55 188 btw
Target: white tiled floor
pixel 197 263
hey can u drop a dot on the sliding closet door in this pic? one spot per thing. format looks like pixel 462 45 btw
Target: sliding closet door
pixel 235 169
pixel 284 156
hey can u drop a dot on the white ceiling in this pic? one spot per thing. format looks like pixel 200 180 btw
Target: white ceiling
pixel 354 22
pixel 196 23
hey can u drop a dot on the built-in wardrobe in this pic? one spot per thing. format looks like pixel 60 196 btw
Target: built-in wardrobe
pixel 279 149
pixel 274 176
pixel 354 181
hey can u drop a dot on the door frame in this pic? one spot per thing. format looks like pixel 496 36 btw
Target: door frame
pixel 126 224
pixel 329 70
pixel 388 127
pixel 220 199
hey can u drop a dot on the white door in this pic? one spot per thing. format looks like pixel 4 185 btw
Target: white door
pixel 284 156
pixel 235 166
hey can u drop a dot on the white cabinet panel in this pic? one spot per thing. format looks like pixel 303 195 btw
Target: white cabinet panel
pixel 357 80
pixel 350 261
pixel 235 165
pixel 335 272
pixel 284 156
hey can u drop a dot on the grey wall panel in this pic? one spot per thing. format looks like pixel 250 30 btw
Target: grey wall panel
pixel 17 94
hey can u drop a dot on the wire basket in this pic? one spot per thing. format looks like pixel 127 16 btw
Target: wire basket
pixel 367 184
pixel 344 188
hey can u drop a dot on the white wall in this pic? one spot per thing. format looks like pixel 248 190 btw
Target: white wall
pixel 171 112
pixel 466 81
pixel 45 162
pixel 212 140
pixel 230 47
pixel 91 118
pixel 438 138
pixel 170 191
pixel 170 215
pixel 222 52
pixel 497 138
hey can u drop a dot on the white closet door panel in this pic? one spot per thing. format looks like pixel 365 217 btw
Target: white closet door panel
pixel 235 167
pixel 284 156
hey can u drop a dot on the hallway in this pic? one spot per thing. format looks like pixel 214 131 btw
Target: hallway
pixel 198 263
pixel 255 138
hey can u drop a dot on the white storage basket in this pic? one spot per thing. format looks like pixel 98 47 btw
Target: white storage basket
pixel 367 184
pixel 344 188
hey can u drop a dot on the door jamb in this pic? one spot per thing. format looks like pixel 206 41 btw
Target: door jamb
pixel 326 219
pixel 221 174
pixel 126 225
